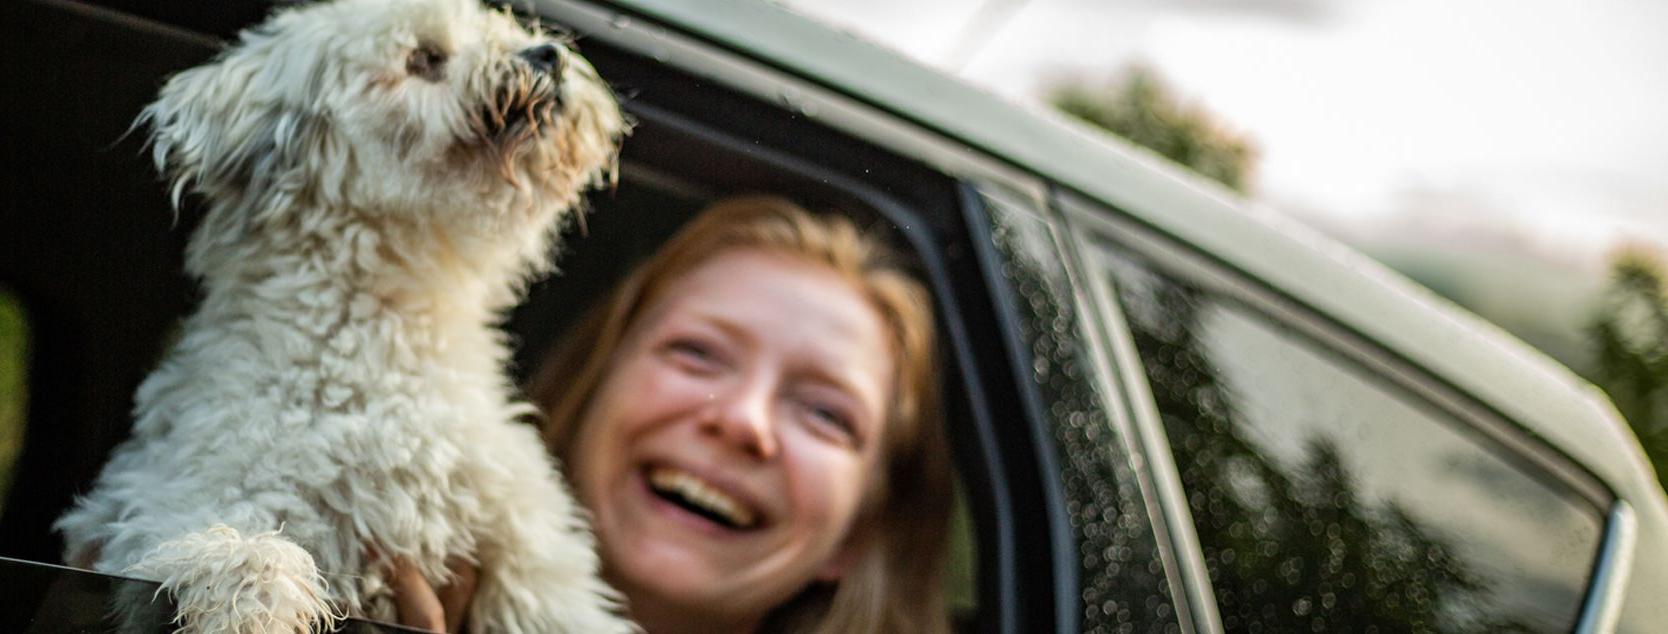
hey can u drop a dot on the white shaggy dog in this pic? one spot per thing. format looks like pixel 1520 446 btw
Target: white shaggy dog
pixel 382 178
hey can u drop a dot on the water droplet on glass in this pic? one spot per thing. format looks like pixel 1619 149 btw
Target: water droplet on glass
pixel 1302 606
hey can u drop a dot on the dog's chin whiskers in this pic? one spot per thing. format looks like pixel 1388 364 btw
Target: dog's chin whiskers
pixel 506 164
pixel 506 130
pixel 534 118
pixel 499 115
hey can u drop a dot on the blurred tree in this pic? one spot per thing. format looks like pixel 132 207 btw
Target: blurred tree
pixel 1630 347
pixel 1142 108
pixel 1292 547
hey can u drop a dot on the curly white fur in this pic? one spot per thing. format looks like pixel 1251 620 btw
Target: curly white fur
pixel 382 177
pixel 274 586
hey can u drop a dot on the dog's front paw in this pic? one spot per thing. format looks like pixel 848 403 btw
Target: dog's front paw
pixel 226 582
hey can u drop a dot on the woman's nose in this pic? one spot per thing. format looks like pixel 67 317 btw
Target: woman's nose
pixel 741 417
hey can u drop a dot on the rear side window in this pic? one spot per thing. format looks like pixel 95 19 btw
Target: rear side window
pixel 1327 498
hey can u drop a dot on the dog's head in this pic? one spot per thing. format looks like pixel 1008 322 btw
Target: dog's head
pixel 440 112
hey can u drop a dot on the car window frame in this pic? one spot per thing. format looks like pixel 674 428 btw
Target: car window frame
pixel 1116 352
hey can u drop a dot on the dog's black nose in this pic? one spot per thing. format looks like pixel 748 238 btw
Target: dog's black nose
pixel 545 58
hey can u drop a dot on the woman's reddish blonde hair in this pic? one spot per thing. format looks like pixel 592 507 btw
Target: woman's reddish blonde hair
pixel 897 584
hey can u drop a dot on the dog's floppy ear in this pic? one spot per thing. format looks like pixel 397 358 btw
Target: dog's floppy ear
pixel 233 127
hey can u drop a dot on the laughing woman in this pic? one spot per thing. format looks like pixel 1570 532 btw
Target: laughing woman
pixel 752 419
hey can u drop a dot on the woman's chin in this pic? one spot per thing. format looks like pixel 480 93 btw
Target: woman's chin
pixel 662 545
pixel 668 579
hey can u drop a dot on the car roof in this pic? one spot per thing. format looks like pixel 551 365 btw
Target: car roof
pixel 1365 296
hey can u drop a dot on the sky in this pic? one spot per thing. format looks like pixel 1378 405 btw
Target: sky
pixel 1540 124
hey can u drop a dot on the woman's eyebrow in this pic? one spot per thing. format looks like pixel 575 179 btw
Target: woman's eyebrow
pixel 818 362
pixel 726 326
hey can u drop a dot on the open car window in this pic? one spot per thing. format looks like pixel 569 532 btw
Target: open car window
pixel 693 143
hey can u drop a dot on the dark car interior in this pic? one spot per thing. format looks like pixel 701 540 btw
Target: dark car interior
pixel 92 252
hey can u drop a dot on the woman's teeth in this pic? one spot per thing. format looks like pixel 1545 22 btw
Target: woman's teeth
pixel 696 495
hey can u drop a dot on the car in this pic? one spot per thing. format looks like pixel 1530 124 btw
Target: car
pixel 1171 409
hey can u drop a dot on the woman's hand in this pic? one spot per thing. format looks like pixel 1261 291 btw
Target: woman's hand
pixel 420 605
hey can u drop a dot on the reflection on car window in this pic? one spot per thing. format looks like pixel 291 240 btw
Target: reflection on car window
pixel 1122 576
pixel 1326 500
pixel 14 386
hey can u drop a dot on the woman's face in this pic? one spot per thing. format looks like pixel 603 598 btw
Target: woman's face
pixel 726 452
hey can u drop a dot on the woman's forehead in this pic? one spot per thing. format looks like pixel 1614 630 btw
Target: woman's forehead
pixel 780 300
pixel 759 289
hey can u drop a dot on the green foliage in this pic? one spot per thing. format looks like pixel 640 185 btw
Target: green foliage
pixel 14 341
pixel 1630 348
pixel 1143 109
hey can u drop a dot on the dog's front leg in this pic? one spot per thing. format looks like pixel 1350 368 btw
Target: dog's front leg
pixel 543 579
pixel 539 568
pixel 226 582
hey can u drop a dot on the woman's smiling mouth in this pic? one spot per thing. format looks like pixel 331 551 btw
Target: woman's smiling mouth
pixel 692 494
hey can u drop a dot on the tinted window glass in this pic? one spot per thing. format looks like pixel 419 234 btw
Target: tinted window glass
pixel 1122 576
pixel 14 386
pixel 1327 499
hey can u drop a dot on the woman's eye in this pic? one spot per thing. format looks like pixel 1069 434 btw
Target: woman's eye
pixel 426 62
pixel 833 419
pixel 692 353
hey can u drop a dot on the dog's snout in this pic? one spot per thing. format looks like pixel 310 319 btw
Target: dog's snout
pixel 545 58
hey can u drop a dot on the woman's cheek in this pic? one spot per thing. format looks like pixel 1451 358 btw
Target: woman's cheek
pixel 660 381
pixel 830 477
